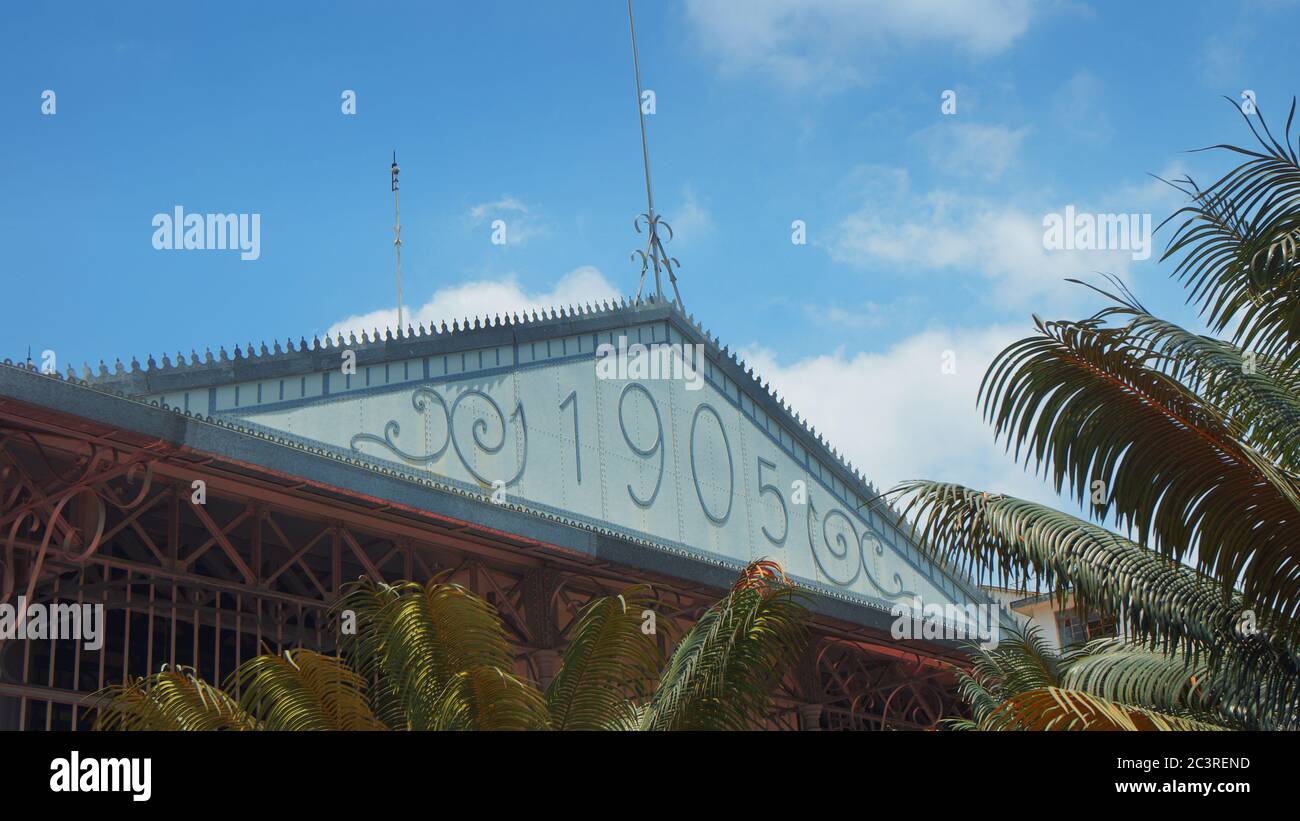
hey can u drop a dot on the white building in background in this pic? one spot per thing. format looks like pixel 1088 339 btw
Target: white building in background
pixel 1061 624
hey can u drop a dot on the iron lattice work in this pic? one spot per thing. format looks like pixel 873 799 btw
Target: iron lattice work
pixel 91 519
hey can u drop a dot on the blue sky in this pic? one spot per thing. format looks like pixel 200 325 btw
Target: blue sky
pixel 924 229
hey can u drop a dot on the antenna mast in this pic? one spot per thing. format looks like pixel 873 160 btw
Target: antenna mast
pixel 654 253
pixel 397 243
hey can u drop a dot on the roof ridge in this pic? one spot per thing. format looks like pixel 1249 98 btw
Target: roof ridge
pixel 439 329
pixel 369 339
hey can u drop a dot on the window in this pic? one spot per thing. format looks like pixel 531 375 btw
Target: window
pixel 1074 629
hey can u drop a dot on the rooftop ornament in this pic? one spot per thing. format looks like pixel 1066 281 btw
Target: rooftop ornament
pixel 397 241
pixel 654 254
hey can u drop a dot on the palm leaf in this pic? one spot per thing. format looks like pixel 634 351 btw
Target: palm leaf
pixel 1108 684
pixel 1163 605
pixel 1258 396
pixel 1236 238
pixel 723 671
pixel 1021 662
pixel 486 698
pixel 608 661
pixel 1156 599
pixel 365 602
pixel 421 643
pixel 1247 683
pixel 1081 403
pixel 172 699
pixel 1118 671
pixel 304 690
pixel 1056 708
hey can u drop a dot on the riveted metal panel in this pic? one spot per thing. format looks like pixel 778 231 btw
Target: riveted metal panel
pixel 674 461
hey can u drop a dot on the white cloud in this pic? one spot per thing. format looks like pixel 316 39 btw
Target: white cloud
pixel 690 220
pixel 1080 106
pixel 1223 55
pixel 868 315
pixel 487 298
pixel 522 222
pixel 831 43
pixel 944 231
pixel 506 203
pixel 971 149
pixel 1155 193
pixel 895 415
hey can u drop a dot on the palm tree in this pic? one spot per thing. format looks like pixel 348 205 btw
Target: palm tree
pixel 1190 446
pixel 436 657
pixel 1024 684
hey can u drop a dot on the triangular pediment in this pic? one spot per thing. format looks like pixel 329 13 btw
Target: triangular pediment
pixel 556 415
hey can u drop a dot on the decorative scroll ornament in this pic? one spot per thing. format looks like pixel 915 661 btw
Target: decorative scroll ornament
pixel 879 548
pixel 654 254
pixel 842 559
pixel 478 429
pixel 44 513
pixel 419 400
pixel 834 557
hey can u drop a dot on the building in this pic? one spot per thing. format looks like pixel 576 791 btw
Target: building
pixel 215 505
pixel 1060 622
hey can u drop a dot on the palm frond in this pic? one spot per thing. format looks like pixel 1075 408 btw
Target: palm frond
pixel 487 698
pixel 1236 238
pixel 361 641
pixel 1056 708
pixel 172 699
pixel 304 690
pixel 1193 444
pixel 1247 682
pixel 1117 670
pixel 1156 599
pixel 1080 402
pixel 418 644
pixel 608 661
pixel 1021 662
pixel 1024 661
pixel 722 673
pixel 1108 684
pixel 629 719
pixel 1165 606
pixel 1258 396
